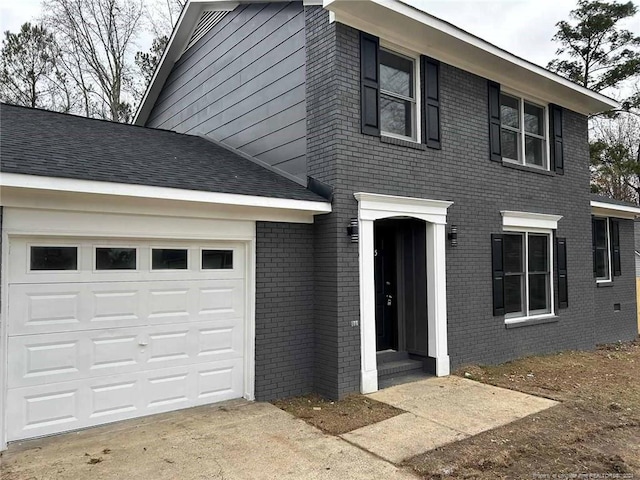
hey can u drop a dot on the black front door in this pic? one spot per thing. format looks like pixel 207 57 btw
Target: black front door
pixel 385 278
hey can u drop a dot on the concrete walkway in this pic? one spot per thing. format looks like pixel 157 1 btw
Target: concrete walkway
pixel 242 440
pixel 239 440
pixel 440 411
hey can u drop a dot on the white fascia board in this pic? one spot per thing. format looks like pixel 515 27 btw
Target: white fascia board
pixel 409 27
pixel 164 193
pixel 611 210
pixel 529 220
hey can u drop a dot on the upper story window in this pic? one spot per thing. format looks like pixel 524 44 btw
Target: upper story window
pixel 523 131
pixel 398 111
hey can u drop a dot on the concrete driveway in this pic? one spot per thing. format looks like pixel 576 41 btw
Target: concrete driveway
pixel 237 440
pixel 243 440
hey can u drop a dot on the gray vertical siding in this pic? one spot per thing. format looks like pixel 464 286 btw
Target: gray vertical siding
pixel 243 84
pixel 284 310
pixel 463 173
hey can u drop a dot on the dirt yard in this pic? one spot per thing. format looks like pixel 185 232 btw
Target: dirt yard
pixel 596 430
pixel 340 417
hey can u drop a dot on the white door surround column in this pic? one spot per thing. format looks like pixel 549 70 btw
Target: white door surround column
pixel 372 207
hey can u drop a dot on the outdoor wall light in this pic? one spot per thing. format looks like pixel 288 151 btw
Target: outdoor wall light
pixel 353 231
pixel 453 235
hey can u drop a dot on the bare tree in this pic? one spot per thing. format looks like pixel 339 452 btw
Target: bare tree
pixel 30 73
pixel 615 158
pixel 97 38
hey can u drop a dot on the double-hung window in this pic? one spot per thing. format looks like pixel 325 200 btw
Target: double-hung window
pixel 606 248
pixel 524 264
pixel 527 274
pixel 398 97
pixel 523 131
pixel 601 249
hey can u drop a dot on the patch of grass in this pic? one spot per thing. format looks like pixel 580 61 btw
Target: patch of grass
pixel 336 418
pixel 596 428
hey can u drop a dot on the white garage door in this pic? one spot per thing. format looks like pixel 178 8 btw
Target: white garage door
pixel 101 331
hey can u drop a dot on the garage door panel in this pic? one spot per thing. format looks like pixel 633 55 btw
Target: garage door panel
pixel 46 409
pixel 60 357
pixel 49 308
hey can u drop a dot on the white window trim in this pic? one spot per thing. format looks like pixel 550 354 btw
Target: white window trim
pixel 522 135
pixel 609 278
pixel 94 259
pixel 526 315
pixel 234 253
pixel 415 58
pixel 531 222
pixel 75 245
pixel 155 247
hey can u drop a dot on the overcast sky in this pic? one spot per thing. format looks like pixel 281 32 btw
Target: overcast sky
pixel 523 27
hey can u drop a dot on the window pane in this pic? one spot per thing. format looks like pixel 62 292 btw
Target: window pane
pixel 602 263
pixel 396 74
pixel 510 141
pixel 169 259
pixel 534 151
pixel 115 258
pixel 533 119
pixel 217 259
pixel 600 227
pixel 513 293
pixel 395 116
pixel 513 257
pixel 538 253
pixel 54 258
pixel 510 111
pixel 538 292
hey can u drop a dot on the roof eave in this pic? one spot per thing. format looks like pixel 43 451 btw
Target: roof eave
pixel 613 210
pixel 400 23
pixel 69 185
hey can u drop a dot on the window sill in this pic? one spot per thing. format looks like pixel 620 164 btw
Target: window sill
pixel 604 284
pixel 524 168
pixel 403 143
pixel 527 321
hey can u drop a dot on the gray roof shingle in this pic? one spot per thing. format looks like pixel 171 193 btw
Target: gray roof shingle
pixel 39 142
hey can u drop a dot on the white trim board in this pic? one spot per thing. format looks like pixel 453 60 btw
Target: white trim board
pixel 372 207
pixel 604 209
pixel 15 180
pixel 395 21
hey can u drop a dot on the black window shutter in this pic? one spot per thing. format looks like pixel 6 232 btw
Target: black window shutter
pixel 593 246
pixel 370 84
pixel 561 256
pixel 430 115
pixel 557 148
pixel 494 122
pixel 615 247
pixel 498 274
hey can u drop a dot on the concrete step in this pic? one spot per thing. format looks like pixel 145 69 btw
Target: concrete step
pixel 387 356
pixel 402 378
pixel 399 367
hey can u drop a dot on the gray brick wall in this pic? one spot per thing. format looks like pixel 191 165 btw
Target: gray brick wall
pixel 284 310
pixel 609 325
pixel 461 172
